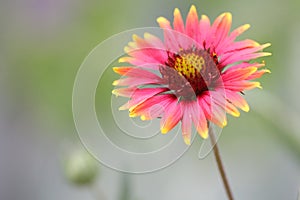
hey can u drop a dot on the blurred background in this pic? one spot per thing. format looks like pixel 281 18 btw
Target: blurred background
pixel 44 42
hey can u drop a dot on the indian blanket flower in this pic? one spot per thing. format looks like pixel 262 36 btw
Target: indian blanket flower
pixel 195 75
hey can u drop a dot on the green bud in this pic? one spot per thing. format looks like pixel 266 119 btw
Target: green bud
pixel 81 168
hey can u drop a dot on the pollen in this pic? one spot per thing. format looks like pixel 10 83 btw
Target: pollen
pixel 190 72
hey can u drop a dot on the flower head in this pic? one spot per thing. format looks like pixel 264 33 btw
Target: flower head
pixel 195 75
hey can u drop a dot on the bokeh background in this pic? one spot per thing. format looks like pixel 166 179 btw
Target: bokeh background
pixel 44 42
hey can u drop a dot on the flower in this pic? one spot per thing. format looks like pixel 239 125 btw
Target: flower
pixel 195 76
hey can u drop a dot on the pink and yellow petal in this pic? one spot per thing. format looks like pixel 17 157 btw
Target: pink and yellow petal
pixel 245 65
pixel 150 47
pixel 178 23
pixel 125 92
pixel 232 110
pixel 239 86
pixel 152 107
pixel 148 56
pixel 222 29
pixel 204 26
pixel 238 46
pixel 243 57
pixel 184 40
pixel 154 41
pixel 243 51
pixel 237 100
pixel 134 81
pixel 186 126
pixel 170 39
pixel 238 74
pixel 219 30
pixel 192 24
pixel 228 41
pixel 212 110
pixel 197 116
pixel 138 62
pixel 258 74
pixel 136 72
pixel 253 49
pixel 172 115
pixel 141 95
pixel 238 31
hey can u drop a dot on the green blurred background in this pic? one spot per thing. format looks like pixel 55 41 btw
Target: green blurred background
pixel 42 45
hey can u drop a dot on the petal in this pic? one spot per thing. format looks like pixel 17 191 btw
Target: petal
pixel 135 72
pixel 213 110
pixel 141 95
pixel 245 65
pixel 170 40
pixel 148 50
pixel 213 31
pixel 238 74
pixel 236 57
pixel 184 41
pixel 204 26
pixel 192 24
pixel 231 109
pixel 186 126
pixel 152 107
pixel 238 31
pixel 125 92
pixel 255 48
pixel 135 81
pixel 239 86
pixel 222 29
pixel 237 100
pixel 178 23
pixel 258 74
pixel 245 50
pixel 138 62
pixel 240 45
pixel 198 117
pixel 227 42
pixel 172 115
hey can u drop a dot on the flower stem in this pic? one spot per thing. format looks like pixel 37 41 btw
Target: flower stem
pixel 220 164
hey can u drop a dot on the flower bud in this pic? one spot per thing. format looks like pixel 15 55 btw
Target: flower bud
pixel 81 168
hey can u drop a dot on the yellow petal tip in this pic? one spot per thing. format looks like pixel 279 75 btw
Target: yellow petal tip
pixel 116 82
pixel 267 54
pixel 176 11
pixel 259 86
pixel 161 20
pixel 164 130
pixel 187 140
pixel 143 118
pixel 132 114
pixel 236 114
pixel 204 17
pixel 114 92
pixel 122 60
pixel 193 8
pixel 127 49
pixel 267 45
pixel 247 26
pixel 135 37
pixel 246 108
pixel 115 69
pixel 227 15
pixel 204 134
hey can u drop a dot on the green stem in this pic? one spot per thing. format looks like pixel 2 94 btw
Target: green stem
pixel 220 164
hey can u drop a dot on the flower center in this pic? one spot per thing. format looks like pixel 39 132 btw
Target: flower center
pixel 190 72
